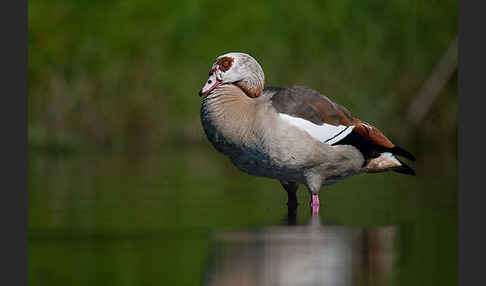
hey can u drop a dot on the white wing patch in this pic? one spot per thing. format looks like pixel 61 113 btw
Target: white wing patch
pixel 324 133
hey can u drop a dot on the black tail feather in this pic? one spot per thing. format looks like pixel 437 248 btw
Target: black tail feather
pixel 404 169
pixel 402 152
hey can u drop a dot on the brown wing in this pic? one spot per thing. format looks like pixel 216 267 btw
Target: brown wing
pixel 308 104
pixel 372 134
pixel 313 106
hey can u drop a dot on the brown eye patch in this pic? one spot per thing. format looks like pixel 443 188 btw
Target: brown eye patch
pixel 225 63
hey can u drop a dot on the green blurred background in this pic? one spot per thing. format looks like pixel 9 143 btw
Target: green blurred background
pixel 124 188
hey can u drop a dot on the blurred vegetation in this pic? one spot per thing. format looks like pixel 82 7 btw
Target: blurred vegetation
pixel 124 75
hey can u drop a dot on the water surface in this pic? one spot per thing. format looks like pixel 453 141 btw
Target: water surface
pixel 188 217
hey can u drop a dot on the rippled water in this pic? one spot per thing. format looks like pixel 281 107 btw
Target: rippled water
pixel 188 217
pixel 308 254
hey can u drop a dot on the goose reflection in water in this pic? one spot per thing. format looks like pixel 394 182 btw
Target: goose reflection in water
pixel 310 254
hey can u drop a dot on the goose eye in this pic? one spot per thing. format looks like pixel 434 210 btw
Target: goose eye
pixel 225 63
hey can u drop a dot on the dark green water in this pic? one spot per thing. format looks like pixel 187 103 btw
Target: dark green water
pixel 186 216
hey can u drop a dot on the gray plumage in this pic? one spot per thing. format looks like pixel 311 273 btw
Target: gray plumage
pixel 250 132
pixel 278 132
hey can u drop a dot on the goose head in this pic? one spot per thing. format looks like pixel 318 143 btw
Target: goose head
pixel 239 69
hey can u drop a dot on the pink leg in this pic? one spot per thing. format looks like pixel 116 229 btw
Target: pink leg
pixel 315 204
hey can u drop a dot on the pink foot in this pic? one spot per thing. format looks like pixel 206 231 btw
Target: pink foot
pixel 315 204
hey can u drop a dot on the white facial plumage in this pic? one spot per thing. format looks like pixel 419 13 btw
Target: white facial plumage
pixel 231 68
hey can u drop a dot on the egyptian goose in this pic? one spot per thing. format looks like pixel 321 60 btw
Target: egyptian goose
pixel 295 134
